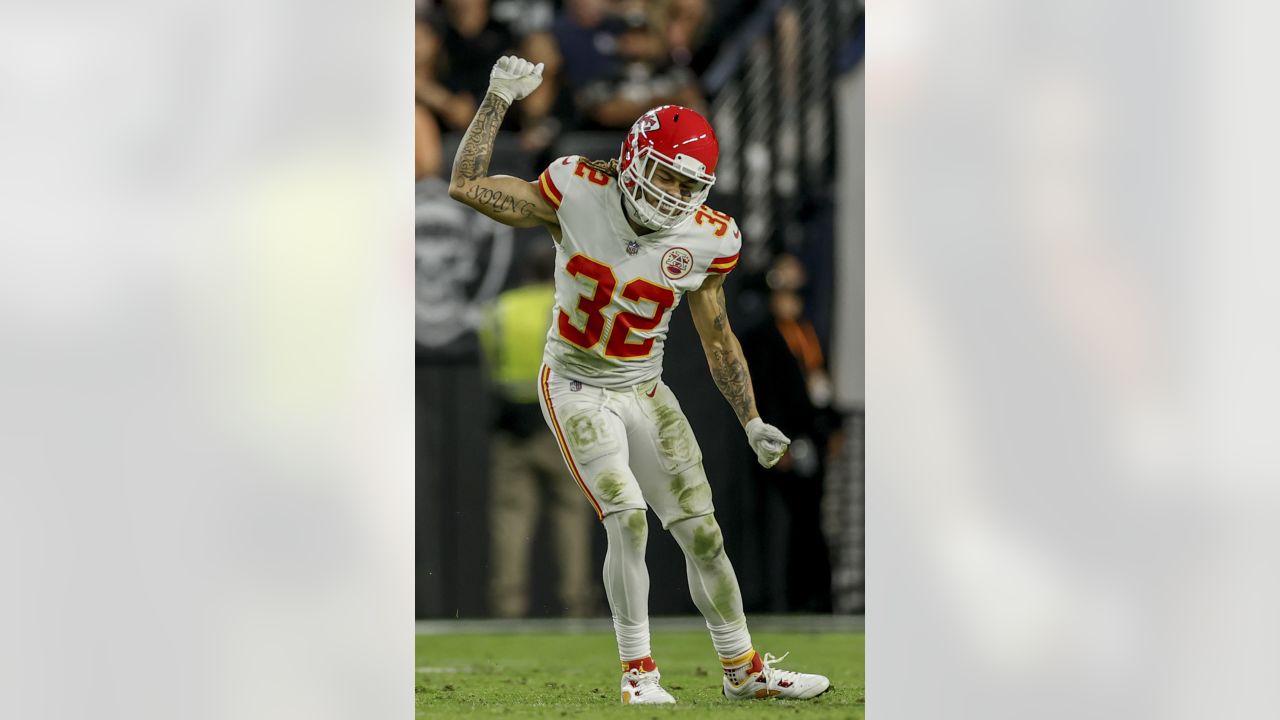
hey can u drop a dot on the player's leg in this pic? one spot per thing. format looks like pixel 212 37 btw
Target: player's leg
pixel 667 463
pixel 593 441
pixel 513 515
pixel 626 583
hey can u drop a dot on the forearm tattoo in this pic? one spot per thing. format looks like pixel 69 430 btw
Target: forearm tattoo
pixel 728 368
pixel 499 201
pixel 472 160
pixel 734 382
pixel 721 319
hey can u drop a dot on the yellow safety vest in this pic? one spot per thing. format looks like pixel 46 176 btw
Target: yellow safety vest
pixel 513 333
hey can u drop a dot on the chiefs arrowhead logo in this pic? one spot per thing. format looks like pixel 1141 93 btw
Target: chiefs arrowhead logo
pixel 648 122
pixel 676 263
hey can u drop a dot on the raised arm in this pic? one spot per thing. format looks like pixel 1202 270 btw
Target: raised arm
pixel 507 199
pixel 729 369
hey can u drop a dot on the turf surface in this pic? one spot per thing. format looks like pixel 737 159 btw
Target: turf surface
pixel 554 675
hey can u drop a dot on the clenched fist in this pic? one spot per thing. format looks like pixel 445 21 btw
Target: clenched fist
pixel 513 78
pixel 768 442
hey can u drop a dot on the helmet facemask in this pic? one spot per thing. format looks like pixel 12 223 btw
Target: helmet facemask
pixel 652 206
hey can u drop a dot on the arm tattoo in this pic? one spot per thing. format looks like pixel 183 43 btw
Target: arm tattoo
pixel 728 368
pixel 732 379
pixel 472 160
pixel 499 201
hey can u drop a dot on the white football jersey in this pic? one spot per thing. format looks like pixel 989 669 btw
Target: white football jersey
pixel 615 290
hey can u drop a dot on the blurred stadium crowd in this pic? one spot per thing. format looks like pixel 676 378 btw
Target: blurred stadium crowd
pixel 606 62
pixel 765 73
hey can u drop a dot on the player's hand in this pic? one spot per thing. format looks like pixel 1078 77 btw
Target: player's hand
pixel 768 442
pixel 513 78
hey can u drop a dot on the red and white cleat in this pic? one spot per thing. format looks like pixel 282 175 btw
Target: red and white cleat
pixel 644 688
pixel 764 681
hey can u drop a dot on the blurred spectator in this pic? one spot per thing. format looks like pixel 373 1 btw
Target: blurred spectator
pixel 426 144
pixel 793 390
pixel 527 467
pixel 588 45
pixel 452 103
pixel 426 130
pixel 462 43
pixel 643 76
pixel 462 258
pixel 686 27
pixel 524 16
pixel 786 278
pixel 539 126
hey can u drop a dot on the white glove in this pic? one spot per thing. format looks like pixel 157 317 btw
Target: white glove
pixel 768 442
pixel 513 78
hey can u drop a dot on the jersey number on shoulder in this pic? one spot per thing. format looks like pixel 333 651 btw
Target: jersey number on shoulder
pixel 718 220
pixel 617 345
pixel 592 174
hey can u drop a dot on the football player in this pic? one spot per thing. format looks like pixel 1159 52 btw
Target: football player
pixel 633 238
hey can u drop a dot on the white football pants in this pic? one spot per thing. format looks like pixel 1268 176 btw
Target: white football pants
pixel 632 446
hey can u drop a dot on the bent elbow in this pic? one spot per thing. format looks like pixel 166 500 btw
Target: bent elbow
pixel 455 192
pixel 715 348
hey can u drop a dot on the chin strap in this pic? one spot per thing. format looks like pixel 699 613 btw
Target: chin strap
pixel 629 214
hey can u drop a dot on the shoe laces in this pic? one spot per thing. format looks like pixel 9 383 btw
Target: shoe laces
pixel 641 680
pixel 775 674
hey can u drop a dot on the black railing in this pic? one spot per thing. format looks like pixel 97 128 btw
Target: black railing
pixel 773 110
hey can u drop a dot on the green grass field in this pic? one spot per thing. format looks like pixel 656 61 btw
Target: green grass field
pixel 554 675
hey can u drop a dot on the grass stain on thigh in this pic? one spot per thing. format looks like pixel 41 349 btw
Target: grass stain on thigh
pixel 675 437
pixel 612 486
pixel 691 490
pixel 582 431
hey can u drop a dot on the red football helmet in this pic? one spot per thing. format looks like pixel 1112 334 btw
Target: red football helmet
pixel 676 138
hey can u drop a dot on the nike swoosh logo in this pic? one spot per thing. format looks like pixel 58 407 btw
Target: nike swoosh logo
pixel 653 391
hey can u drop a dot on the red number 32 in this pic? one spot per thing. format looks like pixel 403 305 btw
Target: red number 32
pixel 592 174
pixel 588 336
pixel 718 220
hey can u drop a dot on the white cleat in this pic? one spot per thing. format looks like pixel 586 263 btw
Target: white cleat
pixel 771 682
pixel 643 688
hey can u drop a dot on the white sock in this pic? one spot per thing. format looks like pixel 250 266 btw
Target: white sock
pixel 732 640
pixel 633 640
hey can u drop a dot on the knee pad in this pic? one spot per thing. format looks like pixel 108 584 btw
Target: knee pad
pixel 700 538
pixel 632 526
